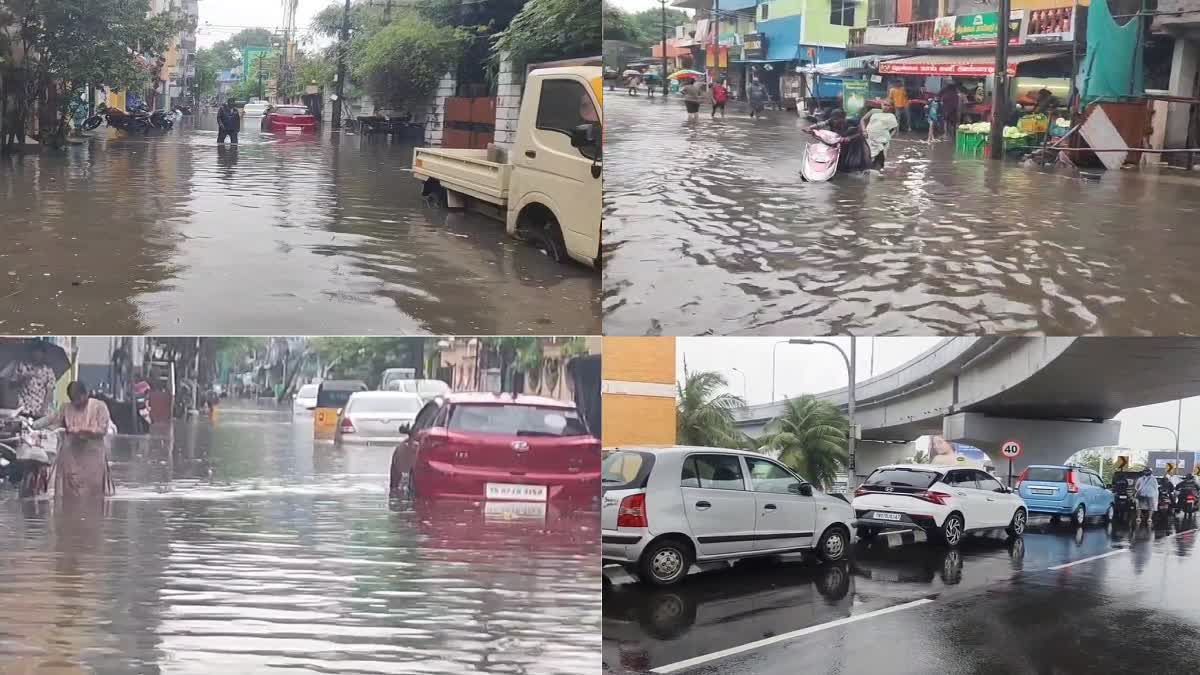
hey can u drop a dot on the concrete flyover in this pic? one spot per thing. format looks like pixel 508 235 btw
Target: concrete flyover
pixel 1056 395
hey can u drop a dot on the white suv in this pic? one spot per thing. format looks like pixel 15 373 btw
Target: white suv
pixel 944 501
pixel 664 509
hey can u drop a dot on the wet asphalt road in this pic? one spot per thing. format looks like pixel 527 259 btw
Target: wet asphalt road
pixel 169 233
pixel 708 229
pixel 241 546
pixel 994 606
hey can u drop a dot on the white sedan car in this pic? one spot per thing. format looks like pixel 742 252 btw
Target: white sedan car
pixel 306 398
pixel 375 417
pixel 256 108
pixel 944 501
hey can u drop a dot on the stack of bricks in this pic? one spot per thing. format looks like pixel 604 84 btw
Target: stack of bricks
pixel 446 88
pixel 508 103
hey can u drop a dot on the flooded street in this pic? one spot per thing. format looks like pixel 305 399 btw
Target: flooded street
pixel 240 545
pixel 708 229
pixel 301 234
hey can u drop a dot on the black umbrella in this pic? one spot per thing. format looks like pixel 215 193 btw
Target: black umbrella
pixel 21 349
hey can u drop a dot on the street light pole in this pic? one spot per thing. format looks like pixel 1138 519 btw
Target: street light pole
pixel 1000 81
pixel 739 372
pixel 852 433
pixel 664 44
pixel 1173 433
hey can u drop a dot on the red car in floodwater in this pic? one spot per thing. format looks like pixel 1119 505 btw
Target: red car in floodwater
pixel 501 449
pixel 288 119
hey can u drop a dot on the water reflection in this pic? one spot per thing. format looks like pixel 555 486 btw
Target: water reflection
pixel 709 229
pixel 135 234
pixel 240 545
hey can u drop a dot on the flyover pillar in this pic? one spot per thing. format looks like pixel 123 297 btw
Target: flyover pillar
pixel 1043 441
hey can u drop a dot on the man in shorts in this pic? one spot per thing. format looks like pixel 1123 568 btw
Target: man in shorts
pixel 692 95
pixel 1146 490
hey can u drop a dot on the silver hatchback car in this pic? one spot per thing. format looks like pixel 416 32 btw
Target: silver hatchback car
pixel 664 509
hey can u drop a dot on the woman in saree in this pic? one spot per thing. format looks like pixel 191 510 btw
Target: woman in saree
pixel 81 469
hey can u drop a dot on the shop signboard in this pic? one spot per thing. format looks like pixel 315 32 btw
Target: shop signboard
pixel 888 36
pixel 1051 25
pixel 755 45
pixel 980 30
pixel 854 96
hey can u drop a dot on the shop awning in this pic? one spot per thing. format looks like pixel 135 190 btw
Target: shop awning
pixel 966 65
pixel 851 66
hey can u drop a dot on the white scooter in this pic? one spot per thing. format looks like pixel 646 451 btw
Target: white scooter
pixel 26 454
pixel 821 156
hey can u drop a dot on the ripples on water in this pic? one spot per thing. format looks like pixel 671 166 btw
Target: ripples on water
pixel 310 235
pixel 709 229
pixel 246 548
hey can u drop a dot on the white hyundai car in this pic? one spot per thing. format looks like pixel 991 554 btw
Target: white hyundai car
pixel 945 501
pixel 664 509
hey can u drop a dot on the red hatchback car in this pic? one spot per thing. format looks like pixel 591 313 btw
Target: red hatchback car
pixel 289 119
pixel 499 448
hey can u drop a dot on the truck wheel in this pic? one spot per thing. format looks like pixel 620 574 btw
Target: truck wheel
pixel 434 189
pixel 553 243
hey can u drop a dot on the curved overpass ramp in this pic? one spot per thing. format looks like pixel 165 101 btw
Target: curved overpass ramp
pixel 1056 395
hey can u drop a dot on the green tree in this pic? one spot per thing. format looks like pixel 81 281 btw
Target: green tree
pixel 649 24
pixel 810 437
pixel 402 63
pixel 619 25
pixel 548 30
pixel 207 69
pixel 228 52
pixel 704 411
pixel 71 44
pixel 1096 461
pixel 368 357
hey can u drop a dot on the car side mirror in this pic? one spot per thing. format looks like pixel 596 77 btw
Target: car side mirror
pixel 585 135
pixel 802 489
pixel 405 428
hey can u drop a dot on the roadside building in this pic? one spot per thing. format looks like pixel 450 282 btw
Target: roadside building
pixel 638 391
pixel 1180 19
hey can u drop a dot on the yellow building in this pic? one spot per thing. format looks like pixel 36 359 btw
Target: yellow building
pixel 638 391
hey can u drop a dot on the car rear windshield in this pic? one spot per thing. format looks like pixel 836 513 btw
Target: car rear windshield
pixel 378 404
pixel 622 469
pixel 292 110
pixel 913 478
pixel 1049 474
pixel 516 420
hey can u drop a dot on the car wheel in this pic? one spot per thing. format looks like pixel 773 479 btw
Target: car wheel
pixel 1016 528
pixel 834 544
pixel 952 530
pixel 412 485
pixel 1110 514
pixel 1079 516
pixel 665 562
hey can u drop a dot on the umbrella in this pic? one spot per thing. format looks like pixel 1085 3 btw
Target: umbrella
pixel 685 75
pixel 631 73
pixel 651 77
pixel 21 349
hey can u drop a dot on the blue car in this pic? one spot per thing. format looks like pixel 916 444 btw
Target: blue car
pixel 1060 490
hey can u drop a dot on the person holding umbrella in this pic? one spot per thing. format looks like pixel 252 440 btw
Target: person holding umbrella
pixel 692 95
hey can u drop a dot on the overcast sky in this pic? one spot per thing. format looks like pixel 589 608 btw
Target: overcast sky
pixel 810 369
pixel 639 5
pixel 220 19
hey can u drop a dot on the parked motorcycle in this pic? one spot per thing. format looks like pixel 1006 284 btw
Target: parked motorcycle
pixel 26 454
pixel 821 156
pixel 161 120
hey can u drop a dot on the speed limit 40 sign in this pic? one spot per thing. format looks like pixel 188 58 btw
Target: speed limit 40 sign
pixel 1011 449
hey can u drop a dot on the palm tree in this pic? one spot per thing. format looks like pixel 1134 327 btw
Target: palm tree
pixel 704 413
pixel 810 437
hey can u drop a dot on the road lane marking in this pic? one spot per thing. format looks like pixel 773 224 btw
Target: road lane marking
pixel 1089 559
pixel 689 663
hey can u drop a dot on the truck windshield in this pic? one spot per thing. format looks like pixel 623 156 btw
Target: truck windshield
pixel 566 105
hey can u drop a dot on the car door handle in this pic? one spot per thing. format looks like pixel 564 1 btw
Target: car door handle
pixel 991 499
pixel 702 505
pixel 962 494
pixel 531 154
pixel 769 507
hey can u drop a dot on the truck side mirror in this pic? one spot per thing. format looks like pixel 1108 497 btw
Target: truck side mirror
pixel 585 135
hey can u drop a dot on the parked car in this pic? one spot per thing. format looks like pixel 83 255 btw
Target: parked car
pixel 499 448
pixel 288 119
pixel 306 397
pixel 255 109
pixel 377 417
pixel 426 389
pixel 664 509
pixel 1061 490
pixel 945 501
pixel 391 375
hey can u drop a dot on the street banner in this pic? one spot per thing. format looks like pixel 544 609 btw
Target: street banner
pixel 1051 25
pixel 943 31
pixel 854 97
pixel 888 36
pixel 975 30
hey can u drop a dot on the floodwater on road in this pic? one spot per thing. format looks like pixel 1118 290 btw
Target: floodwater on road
pixel 240 546
pixel 709 229
pixel 168 232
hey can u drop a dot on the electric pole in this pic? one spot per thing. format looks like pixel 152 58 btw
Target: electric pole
pixel 664 44
pixel 1000 82
pixel 261 92
pixel 343 40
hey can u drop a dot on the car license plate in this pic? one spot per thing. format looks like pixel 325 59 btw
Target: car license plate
pixel 514 511
pixel 515 492
pixel 294 130
pixel 880 515
pixel 1043 491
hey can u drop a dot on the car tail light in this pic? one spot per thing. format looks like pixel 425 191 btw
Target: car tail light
pixel 1021 479
pixel 1191 498
pixel 861 491
pixel 1072 486
pixel 347 426
pixel 632 512
pixel 940 498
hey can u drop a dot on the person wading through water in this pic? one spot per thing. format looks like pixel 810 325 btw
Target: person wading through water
pixel 81 470
pixel 229 123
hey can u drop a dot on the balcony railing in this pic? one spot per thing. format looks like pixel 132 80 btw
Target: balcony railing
pixel 1053 24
